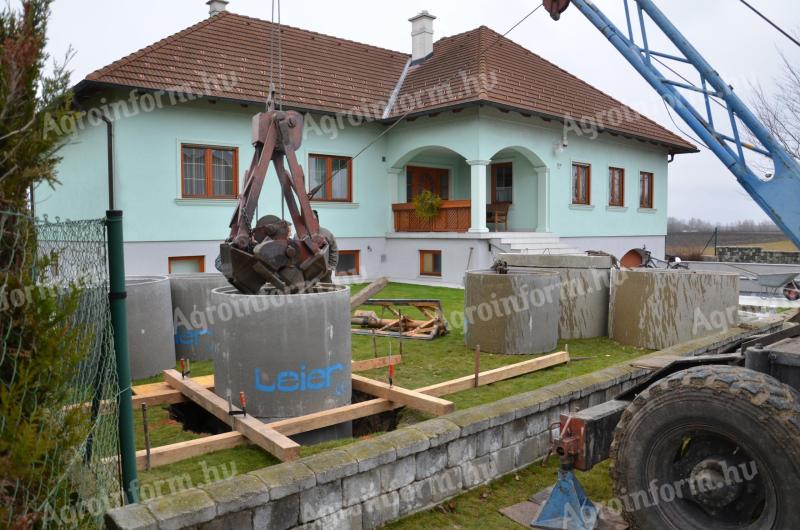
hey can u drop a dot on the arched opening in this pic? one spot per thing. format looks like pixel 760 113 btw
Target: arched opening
pixel 445 175
pixel 517 191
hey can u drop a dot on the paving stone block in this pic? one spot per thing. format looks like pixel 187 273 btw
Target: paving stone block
pixel 439 431
pixel 514 432
pixel 239 521
pixel 415 496
pixel 532 402
pixel 431 461
pixel 471 420
pixel 398 474
pixel 503 411
pixel 331 465
pixel 321 500
pixel 278 514
pixel 371 453
pixel 131 517
pixel 347 519
pixel 488 441
pixel 187 508
pixel 286 479
pixel 536 424
pixel 505 460
pixel 406 441
pixel 380 510
pixel 445 484
pixel 237 494
pixel 461 450
pixel 361 487
pixel 531 449
pixel 478 471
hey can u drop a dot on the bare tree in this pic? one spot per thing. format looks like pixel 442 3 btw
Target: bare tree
pixel 779 109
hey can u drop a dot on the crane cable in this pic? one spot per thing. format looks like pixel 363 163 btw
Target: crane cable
pixel 771 23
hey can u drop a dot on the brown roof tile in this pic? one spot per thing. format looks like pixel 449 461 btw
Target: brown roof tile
pixel 482 65
pixel 228 56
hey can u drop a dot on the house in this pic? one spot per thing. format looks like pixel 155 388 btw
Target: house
pixel 524 156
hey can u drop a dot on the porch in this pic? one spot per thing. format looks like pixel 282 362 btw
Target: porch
pixel 507 193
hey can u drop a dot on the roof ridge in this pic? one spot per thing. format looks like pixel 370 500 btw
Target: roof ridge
pixel 105 70
pixel 304 30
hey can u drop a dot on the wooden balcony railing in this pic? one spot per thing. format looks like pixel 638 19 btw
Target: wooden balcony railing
pixel 454 216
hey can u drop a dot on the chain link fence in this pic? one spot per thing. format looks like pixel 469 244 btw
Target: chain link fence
pixel 58 381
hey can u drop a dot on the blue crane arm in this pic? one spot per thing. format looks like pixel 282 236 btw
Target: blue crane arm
pixel 778 195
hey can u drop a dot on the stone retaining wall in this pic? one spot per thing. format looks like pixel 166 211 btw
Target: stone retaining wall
pixel 756 255
pixel 366 484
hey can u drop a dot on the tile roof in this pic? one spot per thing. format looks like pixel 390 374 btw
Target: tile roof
pixel 228 56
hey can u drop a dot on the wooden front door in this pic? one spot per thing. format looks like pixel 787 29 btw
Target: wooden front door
pixel 419 179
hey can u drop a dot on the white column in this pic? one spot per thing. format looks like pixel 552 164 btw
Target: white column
pixel 543 198
pixel 478 195
pixel 394 195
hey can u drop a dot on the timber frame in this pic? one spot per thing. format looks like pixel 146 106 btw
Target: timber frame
pixel 274 437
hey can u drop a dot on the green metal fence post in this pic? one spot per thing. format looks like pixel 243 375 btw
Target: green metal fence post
pixel 119 321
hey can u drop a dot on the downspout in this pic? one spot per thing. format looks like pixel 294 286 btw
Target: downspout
pixel 110 155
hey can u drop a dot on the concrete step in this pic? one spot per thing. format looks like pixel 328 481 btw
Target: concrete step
pixel 552 252
pixel 538 246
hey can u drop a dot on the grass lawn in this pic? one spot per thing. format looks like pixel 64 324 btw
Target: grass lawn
pixel 477 509
pixel 424 363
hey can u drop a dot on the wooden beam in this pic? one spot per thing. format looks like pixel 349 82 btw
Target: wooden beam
pixel 409 398
pixel 326 418
pixel 175 452
pixel 168 454
pixel 378 362
pixel 164 394
pixel 498 374
pixel 368 292
pixel 254 429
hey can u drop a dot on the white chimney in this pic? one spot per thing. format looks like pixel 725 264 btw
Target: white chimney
pixel 216 6
pixel 421 36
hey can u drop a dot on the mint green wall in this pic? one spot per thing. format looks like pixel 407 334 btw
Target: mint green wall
pixel 148 174
pixel 536 139
pixel 82 192
pixel 148 171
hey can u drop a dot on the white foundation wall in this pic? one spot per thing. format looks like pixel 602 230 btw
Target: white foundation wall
pixel 396 255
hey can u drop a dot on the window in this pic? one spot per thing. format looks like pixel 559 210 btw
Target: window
pixel 334 176
pixel 502 179
pixel 645 190
pixel 349 261
pixel 430 262
pixel 209 172
pixel 581 183
pixel 183 264
pixel 616 186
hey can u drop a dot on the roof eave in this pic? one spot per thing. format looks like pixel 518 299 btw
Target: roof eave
pixel 671 148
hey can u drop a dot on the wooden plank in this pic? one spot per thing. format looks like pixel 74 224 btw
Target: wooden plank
pixel 378 362
pixel 254 429
pixel 368 292
pixel 326 418
pixel 180 451
pixel 498 374
pixel 168 454
pixel 163 394
pixel 409 398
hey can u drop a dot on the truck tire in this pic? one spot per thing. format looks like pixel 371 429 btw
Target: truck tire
pixel 711 447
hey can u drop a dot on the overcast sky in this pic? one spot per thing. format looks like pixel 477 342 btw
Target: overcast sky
pixel 741 46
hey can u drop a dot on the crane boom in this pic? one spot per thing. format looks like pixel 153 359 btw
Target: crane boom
pixel 778 195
